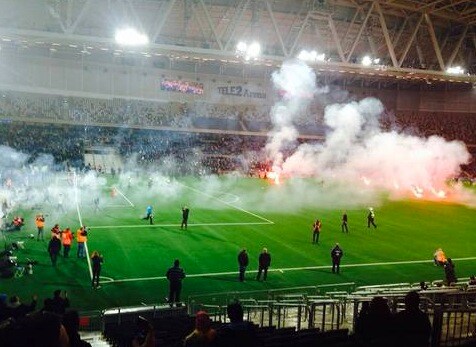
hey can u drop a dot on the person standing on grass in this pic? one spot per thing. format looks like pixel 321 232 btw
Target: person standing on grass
pixel 344 223
pixel 264 262
pixel 336 255
pixel 81 239
pixel 40 225
pixel 175 275
pixel 371 218
pixel 316 230
pixel 185 213
pixel 67 240
pixel 96 264
pixel 54 248
pixel 149 214
pixel 242 263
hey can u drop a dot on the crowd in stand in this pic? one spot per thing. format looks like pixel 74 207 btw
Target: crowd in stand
pixel 54 325
pixel 86 119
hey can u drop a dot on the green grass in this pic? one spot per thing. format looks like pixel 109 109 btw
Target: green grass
pixel 229 214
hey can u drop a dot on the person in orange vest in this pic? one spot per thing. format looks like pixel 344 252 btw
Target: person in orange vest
pixel 40 225
pixel 81 238
pixel 67 239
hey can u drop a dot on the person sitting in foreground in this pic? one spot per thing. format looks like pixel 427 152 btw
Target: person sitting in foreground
pixel 203 334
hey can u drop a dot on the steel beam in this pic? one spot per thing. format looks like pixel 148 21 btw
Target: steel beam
pixel 301 29
pixel 335 38
pixel 212 26
pixel 410 42
pixel 163 19
pixel 457 47
pixel 276 28
pixel 434 41
pixel 362 27
pixel 79 18
pixel 386 35
pixel 235 25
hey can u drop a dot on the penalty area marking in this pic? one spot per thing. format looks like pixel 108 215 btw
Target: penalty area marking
pixel 282 270
pixel 176 225
pixel 125 197
pixel 227 203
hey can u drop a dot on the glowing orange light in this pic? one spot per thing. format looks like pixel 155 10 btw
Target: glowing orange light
pixel 274 176
pixel 417 191
pixel 440 193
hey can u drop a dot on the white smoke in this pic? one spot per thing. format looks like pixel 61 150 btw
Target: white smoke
pixel 297 83
pixel 356 150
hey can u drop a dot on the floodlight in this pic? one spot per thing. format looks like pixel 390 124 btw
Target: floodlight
pixel 241 47
pixel 303 55
pixel 254 50
pixel 131 37
pixel 251 51
pixel 311 56
pixel 366 61
pixel 376 61
pixel 456 70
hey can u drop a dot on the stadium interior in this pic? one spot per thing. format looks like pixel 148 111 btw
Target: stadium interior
pixel 257 117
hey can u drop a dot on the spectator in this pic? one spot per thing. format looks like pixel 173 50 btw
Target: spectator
pixel 71 324
pixel 413 326
pixel 58 304
pixel 238 332
pixel 203 334
pixel 17 309
pixel 376 327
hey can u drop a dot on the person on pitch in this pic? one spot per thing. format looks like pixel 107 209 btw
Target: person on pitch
pixel 316 230
pixel 149 214
pixel 185 213
pixel 344 225
pixel 371 218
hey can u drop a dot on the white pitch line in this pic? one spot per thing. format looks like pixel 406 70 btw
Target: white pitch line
pixel 81 223
pixel 175 225
pixel 227 203
pixel 213 274
pixel 130 202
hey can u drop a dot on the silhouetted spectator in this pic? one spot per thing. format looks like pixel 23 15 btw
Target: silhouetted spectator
pixel 472 280
pixel 17 309
pixel 71 324
pixel 203 334
pixel 238 332
pixel 3 306
pixel 423 285
pixel 44 329
pixel 413 326
pixel 376 328
pixel 58 304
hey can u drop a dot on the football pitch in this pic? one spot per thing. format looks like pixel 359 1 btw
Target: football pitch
pixel 226 215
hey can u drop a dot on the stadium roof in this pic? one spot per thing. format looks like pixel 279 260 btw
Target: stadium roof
pixel 415 39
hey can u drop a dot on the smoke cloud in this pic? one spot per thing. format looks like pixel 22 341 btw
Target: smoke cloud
pixel 356 151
